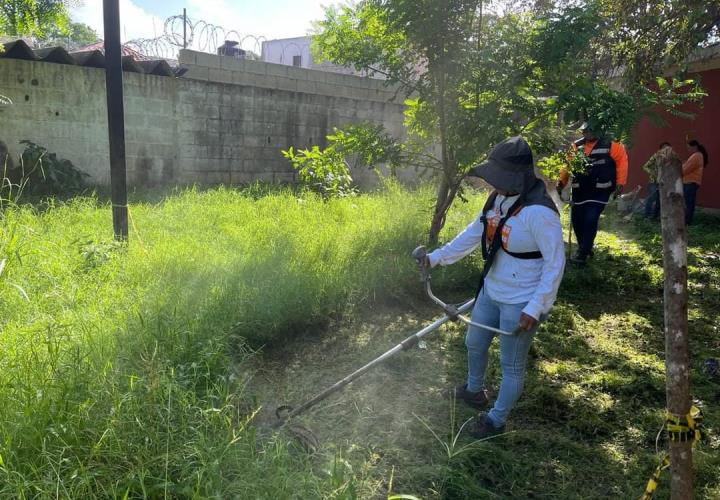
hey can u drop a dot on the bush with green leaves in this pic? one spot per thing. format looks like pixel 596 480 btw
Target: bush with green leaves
pixel 571 160
pixel 41 173
pixel 369 145
pixel 362 145
pixel 322 171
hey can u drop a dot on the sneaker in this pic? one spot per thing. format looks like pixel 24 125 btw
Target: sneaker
pixel 579 259
pixel 482 427
pixel 474 399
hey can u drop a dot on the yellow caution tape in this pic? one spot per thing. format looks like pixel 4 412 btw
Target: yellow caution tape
pixel 680 430
pixel 685 429
pixel 653 482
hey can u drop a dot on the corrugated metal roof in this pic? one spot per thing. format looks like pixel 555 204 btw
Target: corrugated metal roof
pixel 89 56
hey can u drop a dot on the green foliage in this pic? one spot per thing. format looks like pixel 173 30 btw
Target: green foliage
pixel 364 145
pixel 571 160
pixel 581 48
pixel 646 37
pixel 608 111
pixel 41 173
pixel 361 38
pixel 369 144
pixel 75 35
pixel 474 77
pixel 96 253
pixel 33 17
pixel 670 94
pixel 322 171
pixel 469 78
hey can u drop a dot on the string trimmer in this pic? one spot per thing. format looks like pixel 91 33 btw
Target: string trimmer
pixel 285 413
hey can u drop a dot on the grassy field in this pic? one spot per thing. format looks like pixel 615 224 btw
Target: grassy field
pixel 123 365
pixel 149 370
pixel 594 398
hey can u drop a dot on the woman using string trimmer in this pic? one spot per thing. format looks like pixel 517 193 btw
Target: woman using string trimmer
pixel 522 243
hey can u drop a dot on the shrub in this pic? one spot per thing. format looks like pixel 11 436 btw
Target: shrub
pixel 42 173
pixel 323 171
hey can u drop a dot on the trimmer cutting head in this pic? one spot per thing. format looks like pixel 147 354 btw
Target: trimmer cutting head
pixel 304 436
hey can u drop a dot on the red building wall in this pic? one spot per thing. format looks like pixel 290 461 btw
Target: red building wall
pixel 705 127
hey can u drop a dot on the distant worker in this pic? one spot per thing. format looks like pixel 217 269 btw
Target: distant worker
pixel 652 168
pixel 692 173
pixel 605 174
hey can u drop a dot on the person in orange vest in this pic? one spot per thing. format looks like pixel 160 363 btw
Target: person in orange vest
pixel 692 173
pixel 605 174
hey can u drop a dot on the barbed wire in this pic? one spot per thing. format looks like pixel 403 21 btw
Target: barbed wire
pixel 180 31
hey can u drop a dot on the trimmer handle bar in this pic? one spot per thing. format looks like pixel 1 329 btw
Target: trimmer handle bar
pixel 420 255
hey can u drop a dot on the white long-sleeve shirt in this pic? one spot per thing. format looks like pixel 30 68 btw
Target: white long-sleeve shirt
pixel 512 280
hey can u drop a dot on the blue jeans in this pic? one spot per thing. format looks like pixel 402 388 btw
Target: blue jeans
pixel 513 353
pixel 690 191
pixel 585 219
pixel 652 204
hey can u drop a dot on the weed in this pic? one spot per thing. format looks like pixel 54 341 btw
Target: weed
pixel 95 254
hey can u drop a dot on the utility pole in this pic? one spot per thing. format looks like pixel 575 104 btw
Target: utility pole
pixel 116 118
pixel 677 355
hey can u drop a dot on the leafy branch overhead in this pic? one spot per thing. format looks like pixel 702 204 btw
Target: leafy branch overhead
pixel 34 18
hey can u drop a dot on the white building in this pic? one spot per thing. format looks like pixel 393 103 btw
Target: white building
pixel 296 52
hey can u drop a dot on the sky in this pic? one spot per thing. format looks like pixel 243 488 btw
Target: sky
pixel 267 18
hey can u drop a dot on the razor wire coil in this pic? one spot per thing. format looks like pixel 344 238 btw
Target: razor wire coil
pixel 180 31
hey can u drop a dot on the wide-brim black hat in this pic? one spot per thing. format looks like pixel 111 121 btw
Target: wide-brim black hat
pixel 508 165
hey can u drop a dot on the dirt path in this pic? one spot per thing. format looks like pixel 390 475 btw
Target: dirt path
pixel 376 419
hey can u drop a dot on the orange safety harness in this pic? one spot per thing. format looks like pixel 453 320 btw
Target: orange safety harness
pixel 492 239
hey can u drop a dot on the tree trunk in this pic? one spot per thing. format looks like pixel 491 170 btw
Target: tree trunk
pixel 438 219
pixel 677 357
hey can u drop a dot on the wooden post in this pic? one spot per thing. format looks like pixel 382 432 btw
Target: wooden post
pixel 677 356
pixel 116 117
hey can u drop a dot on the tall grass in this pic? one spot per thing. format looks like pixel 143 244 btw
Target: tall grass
pixel 121 364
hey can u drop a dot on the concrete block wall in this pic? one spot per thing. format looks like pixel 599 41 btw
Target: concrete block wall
pixel 63 108
pixel 242 113
pixel 224 121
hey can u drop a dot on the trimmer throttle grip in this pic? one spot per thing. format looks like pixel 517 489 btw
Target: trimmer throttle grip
pixel 420 256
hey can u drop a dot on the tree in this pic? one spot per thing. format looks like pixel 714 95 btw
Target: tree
pixel 469 76
pixel 76 35
pixel 648 36
pixel 475 76
pixel 33 17
pixel 677 355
